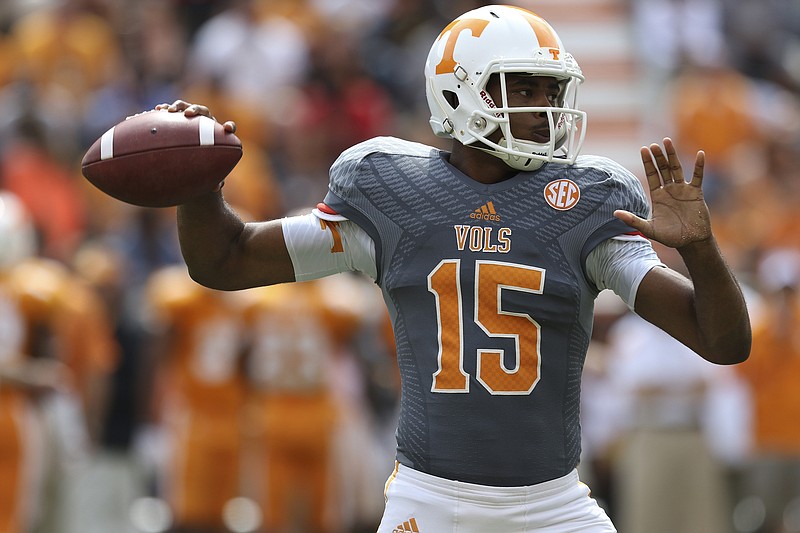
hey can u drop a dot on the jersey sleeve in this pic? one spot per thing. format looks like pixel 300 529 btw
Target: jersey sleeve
pixel 625 192
pixel 620 264
pixel 370 173
pixel 320 246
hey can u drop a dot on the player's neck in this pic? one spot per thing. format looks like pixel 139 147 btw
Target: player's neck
pixel 479 165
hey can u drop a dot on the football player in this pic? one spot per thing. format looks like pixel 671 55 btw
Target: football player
pixel 302 337
pixel 201 392
pixel 56 349
pixel 490 256
pixel 771 374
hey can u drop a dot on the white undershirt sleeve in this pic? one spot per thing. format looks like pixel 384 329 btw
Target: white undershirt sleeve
pixel 620 264
pixel 320 247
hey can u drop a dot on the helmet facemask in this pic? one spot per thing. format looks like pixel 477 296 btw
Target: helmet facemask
pixel 566 125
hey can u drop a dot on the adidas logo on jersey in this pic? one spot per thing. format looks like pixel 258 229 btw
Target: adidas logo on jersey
pixel 485 212
pixel 407 527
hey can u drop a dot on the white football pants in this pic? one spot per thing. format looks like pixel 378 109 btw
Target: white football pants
pixel 421 503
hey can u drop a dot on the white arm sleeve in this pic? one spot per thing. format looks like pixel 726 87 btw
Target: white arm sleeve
pixel 320 248
pixel 620 264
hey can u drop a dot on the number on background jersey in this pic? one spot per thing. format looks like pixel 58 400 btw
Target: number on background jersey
pixel 216 357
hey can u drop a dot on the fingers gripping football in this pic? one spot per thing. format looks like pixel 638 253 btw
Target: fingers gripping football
pixel 163 157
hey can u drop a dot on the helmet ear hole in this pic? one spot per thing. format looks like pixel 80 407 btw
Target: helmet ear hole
pixel 451 98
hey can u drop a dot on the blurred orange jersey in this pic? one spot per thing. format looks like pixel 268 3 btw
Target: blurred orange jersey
pixel 48 319
pixel 62 39
pixel 773 371
pixel 202 393
pixel 204 332
pixel 298 331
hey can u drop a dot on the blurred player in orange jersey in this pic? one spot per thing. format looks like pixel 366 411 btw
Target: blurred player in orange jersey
pixel 201 392
pixel 66 37
pixel 55 346
pixel 773 373
pixel 298 363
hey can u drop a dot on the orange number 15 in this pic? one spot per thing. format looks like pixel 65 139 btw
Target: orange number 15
pixel 490 278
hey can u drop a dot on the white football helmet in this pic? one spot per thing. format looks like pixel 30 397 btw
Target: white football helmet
pixel 499 40
pixel 17 233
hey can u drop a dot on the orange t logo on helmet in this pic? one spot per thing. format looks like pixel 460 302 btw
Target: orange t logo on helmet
pixel 544 34
pixel 476 26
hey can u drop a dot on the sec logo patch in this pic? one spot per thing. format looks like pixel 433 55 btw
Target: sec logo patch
pixel 562 194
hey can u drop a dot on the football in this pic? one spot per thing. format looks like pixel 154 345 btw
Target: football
pixel 161 159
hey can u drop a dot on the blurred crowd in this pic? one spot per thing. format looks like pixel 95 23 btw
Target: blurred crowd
pixel 131 399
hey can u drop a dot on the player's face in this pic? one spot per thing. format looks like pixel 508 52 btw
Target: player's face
pixel 528 91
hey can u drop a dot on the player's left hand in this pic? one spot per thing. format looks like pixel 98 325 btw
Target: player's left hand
pixel 680 214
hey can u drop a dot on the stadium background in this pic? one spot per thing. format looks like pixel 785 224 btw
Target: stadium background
pixel 304 79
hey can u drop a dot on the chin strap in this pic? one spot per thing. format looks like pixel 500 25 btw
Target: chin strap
pixel 515 162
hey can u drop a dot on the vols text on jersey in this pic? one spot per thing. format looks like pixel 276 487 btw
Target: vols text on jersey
pixel 483 239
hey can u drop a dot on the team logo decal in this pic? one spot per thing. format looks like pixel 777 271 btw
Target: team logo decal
pixel 562 194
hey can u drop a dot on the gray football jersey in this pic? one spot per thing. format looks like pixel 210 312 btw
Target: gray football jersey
pixel 491 307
